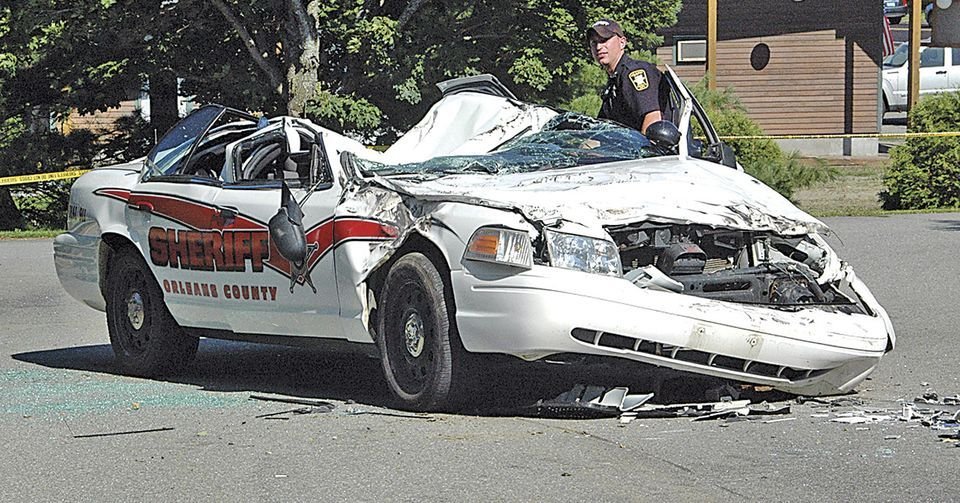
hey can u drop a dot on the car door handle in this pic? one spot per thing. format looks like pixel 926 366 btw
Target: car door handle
pixel 942 72
pixel 227 215
pixel 141 206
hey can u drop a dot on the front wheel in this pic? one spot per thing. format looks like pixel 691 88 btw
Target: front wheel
pixel 416 335
pixel 146 340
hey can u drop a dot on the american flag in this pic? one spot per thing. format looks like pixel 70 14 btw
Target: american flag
pixel 888 46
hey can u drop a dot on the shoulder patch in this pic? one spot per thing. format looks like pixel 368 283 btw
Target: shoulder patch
pixel 639 79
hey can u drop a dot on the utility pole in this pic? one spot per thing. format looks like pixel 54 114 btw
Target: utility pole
pixel 712 44
pixel 913 79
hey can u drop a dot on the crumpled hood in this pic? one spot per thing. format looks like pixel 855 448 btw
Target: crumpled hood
pixel 665 189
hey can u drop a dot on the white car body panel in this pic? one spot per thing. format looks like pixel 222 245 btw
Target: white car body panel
pixel 356 222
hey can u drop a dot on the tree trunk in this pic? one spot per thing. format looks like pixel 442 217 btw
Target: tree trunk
pixel 10 217
pixel 301 46
pixel 164 110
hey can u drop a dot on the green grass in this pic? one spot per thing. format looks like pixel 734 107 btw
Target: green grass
pixel 854 192
pixel 30 234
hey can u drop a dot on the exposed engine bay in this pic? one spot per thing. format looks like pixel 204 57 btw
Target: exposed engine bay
pixel 735 266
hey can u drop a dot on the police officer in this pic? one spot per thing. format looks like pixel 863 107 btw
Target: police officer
pixel 632 96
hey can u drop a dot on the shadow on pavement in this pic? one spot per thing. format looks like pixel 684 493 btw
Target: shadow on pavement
pixel 225 366
pixel 499 386
pixel 946 225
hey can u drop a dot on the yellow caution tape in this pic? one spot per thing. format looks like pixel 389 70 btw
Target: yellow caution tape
pixel 839 136
pixel 41 177
pixel 63 175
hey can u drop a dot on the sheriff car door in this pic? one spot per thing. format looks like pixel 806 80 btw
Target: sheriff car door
pixel 264 292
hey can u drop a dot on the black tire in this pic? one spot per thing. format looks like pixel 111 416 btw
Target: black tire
pixel 145 338
pixel 895 20
pixel 420 350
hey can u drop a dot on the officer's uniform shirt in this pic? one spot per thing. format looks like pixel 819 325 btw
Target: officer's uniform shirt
pixel 632 91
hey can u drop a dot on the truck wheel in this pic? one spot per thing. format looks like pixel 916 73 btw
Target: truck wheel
pixel 145 338
pixel 416 335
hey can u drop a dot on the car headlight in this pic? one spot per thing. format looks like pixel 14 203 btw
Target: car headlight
pixel 500 246
pixel 582 253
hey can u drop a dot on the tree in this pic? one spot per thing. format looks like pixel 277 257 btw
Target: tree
pixel 369 67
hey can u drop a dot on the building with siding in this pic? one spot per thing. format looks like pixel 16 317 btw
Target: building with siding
pixel 798 66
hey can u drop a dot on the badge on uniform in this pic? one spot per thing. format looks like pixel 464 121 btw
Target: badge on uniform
pixel 639 79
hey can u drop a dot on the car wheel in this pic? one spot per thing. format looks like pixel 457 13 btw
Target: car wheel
pixel 145 338
pixel 417 336
pixel 895 20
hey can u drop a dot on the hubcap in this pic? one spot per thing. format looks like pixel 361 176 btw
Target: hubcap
pixel 135 310
pixel 413 334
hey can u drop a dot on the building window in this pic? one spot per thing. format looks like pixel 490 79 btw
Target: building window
pixel 690 51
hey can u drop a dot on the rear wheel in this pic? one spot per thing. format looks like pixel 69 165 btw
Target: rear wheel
pixel 416 335
pixel 145 338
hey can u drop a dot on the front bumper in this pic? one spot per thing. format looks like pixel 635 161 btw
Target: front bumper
pixel 547 310
pixel 76 258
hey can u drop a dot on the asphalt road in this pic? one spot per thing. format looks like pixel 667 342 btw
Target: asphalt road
pixel 57 388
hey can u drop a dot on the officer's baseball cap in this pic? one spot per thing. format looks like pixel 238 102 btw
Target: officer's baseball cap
pixel 604 29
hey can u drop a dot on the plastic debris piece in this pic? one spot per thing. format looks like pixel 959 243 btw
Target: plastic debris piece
pixel 908 413
pixel 850 420
pixel 301 410
pixel 299 401
pixel 359 412
pixel 116 433
pixel 722 413
pixel 689 409
pixel 587 401
pixel 612 398
pixel 769 409
pixel 779 420
pixel 320 404
pixel 631 402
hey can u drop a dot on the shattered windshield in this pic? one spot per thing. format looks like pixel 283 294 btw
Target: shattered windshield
pixel 567 140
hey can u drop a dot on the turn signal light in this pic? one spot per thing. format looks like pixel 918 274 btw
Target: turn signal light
pixel 501 246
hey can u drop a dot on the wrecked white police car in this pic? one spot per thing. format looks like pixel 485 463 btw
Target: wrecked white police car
pixel 493 226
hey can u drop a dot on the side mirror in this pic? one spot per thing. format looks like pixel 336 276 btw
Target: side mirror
pixel 727 157
pixel 663 134
pixel 287 235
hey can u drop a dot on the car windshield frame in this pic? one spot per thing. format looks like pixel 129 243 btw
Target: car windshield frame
pixel 176 148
